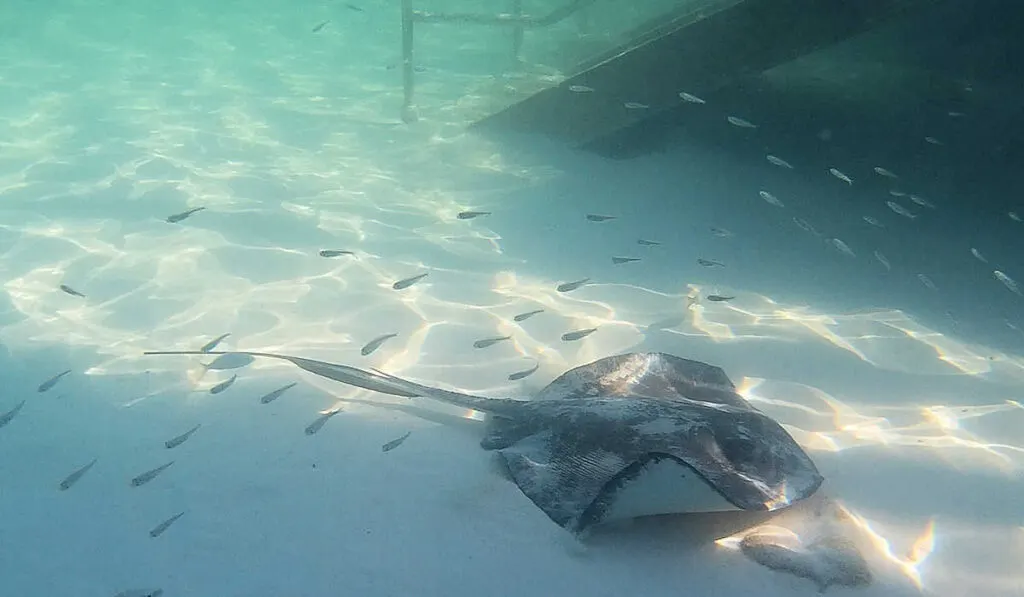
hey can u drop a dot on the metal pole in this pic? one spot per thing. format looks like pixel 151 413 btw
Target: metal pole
pixel 408 83
pixel 517 32
pixel 583 20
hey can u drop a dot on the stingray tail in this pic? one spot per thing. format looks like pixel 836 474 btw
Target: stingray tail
pixel 347 375
pixel 376 381
pixel 427 414
pixel 496 406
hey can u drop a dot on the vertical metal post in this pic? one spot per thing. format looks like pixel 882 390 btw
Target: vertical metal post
pixel 408 83
pixel 517 33
pixel 583 20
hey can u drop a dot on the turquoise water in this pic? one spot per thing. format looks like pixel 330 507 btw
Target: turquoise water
pixel 116 115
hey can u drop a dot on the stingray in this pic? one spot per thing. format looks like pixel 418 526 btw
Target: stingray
pixel 622 437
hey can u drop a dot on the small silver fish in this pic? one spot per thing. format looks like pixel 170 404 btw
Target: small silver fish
pixel 46 385
pixel 486 342
pixel 772 199
pixel 717 298
pixel 896 207
pixel 524 373
pixel 217 389
pixel 527 315
pixel 163 526
pixel 709 262
pixel 1007 281
pixel 570 286
pixel 174 219
pixel 721 232
pixel 805 226
pixel 141 593
pixel 213 343
pixel 933 141
pixel 926 281
pixel 838 174
pixel 8 416
pixel 600 218
pixel 580 89
pixel 621 260
pixel 689 97
pixel 873 222
pixel 977 255
pixel 331 253
pixel 149 475
pixel 69 290
pixel 274 395
pixel 740 122
pixel 469 215
pixel 376 343
pixel 886 173
pixel 635 106
pixel 1014 216
pixel 897 193
pixel 577 335
pixel 316 425
pixel 647 243
pixel 319 27
pixel 391 445
pixel 883 260
pixel 777 161
pixel 73 478
pixel 230 360
pixel 922 201
pixel 842 247
pixel 407 282
pixel 226 361
pixel 176 441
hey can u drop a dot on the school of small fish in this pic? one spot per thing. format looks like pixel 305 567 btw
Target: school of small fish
pixel 234 362
pixel 910 207
pixel 228 361
pixel 897 182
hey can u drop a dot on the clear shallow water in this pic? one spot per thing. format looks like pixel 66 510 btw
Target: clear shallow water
pixel 114 117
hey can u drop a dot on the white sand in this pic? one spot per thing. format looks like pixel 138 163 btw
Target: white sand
pixel 112 120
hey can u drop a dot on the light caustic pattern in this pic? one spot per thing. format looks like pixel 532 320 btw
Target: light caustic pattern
pixel 289 155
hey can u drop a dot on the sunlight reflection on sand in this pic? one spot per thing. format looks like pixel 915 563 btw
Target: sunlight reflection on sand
pixel 187 293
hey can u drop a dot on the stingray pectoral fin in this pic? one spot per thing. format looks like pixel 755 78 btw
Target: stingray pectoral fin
pixel 653 374
pixel 560 480
pixel 752 462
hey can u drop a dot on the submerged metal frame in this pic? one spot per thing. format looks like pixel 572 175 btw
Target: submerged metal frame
pixel 516 19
